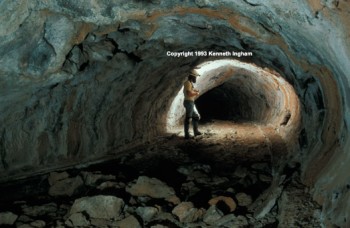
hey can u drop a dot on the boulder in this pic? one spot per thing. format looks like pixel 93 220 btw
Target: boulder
pixel 57 176
pixel 104 207
pixel 66 187
pixel 35 211
pixel 240 172
pixel 199 176
pixel 23 226
pixel 219 180
pixel 187 170
pixel 129 222
pixel 243 199
pixel 24 219
pixel 152 187
pixel 187 213
pixel 146 213
pixel 190 188
pixel 7 218
pixel 94 179
pixel 111 184
pixel 77 220
pixel 265 178
pixel 38 224
pixel 239 222
pixel 159 226
pixel 212 215
pixel 225 220
pixel 227 200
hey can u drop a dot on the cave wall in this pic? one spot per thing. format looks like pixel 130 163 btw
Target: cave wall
pixel 82 79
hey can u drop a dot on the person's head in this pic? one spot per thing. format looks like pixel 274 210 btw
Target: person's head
pixel 193 76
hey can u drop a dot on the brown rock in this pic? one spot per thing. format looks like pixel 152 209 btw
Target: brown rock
pixel 186 212
pixel 227 200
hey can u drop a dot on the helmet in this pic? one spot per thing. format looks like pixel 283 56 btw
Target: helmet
pixel 194 73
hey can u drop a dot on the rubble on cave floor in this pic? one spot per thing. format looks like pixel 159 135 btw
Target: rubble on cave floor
pixel 169 183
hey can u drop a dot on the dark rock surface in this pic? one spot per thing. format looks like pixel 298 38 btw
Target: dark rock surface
pixel 142 198
pixel 81 81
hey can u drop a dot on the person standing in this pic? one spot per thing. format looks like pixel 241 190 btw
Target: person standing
pixel 191 111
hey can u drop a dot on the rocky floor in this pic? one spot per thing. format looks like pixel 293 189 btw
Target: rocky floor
pixel 219 179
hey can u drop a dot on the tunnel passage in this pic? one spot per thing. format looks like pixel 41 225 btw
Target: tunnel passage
pixel 221 103
pixel 234 100
pixel 234 90
pixel 81 81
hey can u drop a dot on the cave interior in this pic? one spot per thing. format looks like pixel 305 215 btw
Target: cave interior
pixel 92 111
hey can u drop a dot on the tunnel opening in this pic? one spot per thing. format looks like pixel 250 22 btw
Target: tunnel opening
pixel 234 92
pixel 220 104
pixel 231 102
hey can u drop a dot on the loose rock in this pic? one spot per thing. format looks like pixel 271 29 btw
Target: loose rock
pixel 92 179
pixel 76 220
pixel 212 215
pixel 146 213
pixel 56 176
pixel 187 170
pixel 187 213
pixel 226 219
pixel 23 226
pixel 239 222
pixel 129 222
pixel 244 199
pixel 105 207
pixel 24 219
pixel 35 211
pixel 265 178
pixel 38 223
pixel 151 187
pixel 7 218
pixel 66 187
pixel 227 200
pixel 240 172
pixel 110 184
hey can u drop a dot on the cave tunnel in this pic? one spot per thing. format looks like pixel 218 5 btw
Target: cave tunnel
pixel 92 87
pixel 230 102
pixel 243 95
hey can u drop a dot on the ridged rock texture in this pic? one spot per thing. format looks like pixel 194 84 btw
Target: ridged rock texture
pixel 83 79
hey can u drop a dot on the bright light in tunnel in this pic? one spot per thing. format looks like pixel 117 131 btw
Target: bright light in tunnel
pixel 281 95
pixel 208 71
pixel 212 65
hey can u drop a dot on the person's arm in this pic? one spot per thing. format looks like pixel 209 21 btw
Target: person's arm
pixel 189 91
pixel 193 93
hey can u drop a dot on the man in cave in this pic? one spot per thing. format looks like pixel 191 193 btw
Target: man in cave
pixel 191 111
